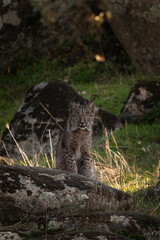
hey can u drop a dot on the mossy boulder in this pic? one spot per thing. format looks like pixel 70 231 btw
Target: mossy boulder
pixel 42 117
pixel 143 103
pixel 18 38
pixel 34 190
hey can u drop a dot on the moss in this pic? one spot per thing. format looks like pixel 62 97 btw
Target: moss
pixel 132 235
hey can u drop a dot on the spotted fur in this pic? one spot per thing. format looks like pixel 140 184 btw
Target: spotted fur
pixel 74 150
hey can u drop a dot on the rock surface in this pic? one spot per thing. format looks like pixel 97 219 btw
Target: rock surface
pixel 22 34
pixel 136 25
pixel 40 203
pixel 33 191
pixel 143 102
pixel 33 127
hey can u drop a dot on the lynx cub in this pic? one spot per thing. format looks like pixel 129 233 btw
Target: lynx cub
pixel 74 150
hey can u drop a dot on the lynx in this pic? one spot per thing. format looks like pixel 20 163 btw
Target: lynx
pixel 74 150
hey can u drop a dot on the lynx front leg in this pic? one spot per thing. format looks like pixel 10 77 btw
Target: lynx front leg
pixel 87 167
pixel 70 161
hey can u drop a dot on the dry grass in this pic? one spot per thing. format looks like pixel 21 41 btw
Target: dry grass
pixel 113 167
pixel 113 170
pixel 38 160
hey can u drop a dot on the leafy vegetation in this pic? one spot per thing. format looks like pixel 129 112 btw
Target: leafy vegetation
pixel 131 154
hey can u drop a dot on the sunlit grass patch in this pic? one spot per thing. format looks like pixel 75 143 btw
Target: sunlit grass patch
pixel 140 175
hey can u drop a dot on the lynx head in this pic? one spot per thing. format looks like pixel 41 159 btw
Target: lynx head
pixel 81 116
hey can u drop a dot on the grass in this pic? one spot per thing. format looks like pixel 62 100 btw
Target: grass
pixel 127 159
pixel 131 168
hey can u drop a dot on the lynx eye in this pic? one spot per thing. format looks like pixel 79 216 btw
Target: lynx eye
pixel 87 112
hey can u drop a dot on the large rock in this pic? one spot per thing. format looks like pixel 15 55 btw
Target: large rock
pixel 143 103
pixel 136 25
pixel 18 39
pixel 22 34
pixel 39 203
pixel 37 190
pixel 41 118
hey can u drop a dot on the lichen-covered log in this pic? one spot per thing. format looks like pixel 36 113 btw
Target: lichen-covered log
pixel 27 192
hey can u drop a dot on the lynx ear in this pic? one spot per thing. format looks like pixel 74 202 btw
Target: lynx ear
pixel 92 105
pixel 72 106
pixel 96 109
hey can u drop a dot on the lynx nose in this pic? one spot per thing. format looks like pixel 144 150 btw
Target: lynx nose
pixel 82 122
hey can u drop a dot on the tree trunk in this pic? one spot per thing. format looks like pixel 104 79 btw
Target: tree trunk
pixel 136 25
